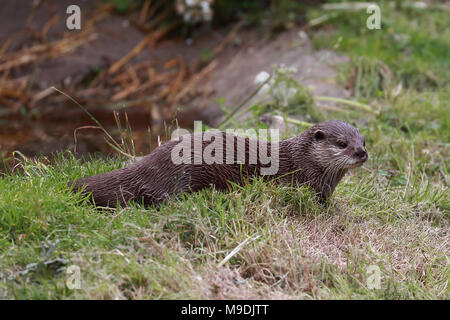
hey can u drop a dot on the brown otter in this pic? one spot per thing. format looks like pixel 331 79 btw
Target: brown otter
pixel 319 157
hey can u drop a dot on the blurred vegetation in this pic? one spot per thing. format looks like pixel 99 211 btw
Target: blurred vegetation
pixel 393 213
pixel 278 13
pixel 414 43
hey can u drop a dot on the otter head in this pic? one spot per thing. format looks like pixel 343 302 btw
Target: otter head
pixel 326 151
pixel 338 145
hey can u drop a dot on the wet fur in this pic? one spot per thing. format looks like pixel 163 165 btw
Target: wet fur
pixel 311 158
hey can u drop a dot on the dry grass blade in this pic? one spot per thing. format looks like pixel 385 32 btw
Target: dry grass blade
pixel 355 104
pixel 144 11
pixel 231 35
pixel 173 88
pixel 111 141
pixel 5 47
pixel 41 95
pixel 150 39
pixel 48 25
pixel 195 80
pixel 43 51
pixel 237 249
pixel 135 51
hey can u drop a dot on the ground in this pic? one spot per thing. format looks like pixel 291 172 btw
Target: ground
pixel 51 121
pixel 385 233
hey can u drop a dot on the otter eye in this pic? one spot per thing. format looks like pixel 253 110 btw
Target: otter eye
pixel 342 144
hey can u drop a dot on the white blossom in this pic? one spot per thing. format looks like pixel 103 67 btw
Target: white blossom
pixel 194 11
pixel 261 77
pixel 264 89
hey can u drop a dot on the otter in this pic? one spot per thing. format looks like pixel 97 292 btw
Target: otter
pixel 319 157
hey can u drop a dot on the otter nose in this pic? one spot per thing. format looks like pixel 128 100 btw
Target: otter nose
pixel 360 153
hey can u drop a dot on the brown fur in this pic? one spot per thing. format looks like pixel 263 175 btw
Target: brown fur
pixel 314 157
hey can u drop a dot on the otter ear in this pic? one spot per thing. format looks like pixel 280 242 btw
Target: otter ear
pixel 319 135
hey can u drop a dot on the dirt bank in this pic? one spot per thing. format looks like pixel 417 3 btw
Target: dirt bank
pixel 217 64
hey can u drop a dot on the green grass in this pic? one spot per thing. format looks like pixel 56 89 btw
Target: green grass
pixel 392 214
pixel 415 44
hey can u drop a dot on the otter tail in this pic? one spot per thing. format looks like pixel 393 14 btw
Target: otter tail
pixel 109 188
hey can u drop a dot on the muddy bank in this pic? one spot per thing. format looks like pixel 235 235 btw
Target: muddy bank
pixel 214 64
